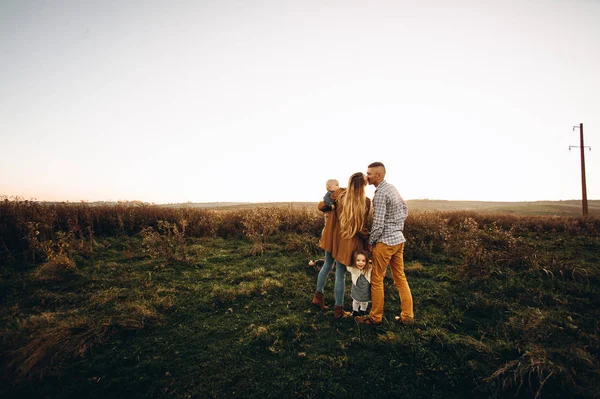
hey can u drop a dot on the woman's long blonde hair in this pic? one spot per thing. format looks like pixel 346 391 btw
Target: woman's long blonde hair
pixel 354 200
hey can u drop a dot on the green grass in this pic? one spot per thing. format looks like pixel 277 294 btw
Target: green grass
pixel 226 323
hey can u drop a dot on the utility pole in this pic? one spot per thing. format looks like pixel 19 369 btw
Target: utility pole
pixel 584 202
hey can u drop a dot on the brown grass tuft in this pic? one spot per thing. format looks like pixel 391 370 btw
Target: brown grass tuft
pixel 414 268
pixel 135 316
pixel 59 269
pixel 106 296
pixel 71 338
pixel 531 372
pixel 269 285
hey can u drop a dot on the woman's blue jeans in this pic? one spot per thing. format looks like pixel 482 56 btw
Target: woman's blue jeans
pixel 340 278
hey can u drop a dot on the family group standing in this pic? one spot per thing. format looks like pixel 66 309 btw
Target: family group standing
pixel 348 242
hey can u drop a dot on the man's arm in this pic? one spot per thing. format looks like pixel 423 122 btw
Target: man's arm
pixel 379 205
pixel 364 232
pixel 403 210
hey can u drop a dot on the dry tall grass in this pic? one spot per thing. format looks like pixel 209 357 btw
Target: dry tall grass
pixel 26 225
pixel 39 232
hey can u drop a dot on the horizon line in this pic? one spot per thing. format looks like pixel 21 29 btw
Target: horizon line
pixel 17 198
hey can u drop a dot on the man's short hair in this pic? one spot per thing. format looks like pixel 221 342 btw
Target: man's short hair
pixel 377 165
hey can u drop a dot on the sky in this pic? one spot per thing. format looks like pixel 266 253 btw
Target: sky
pixel 263 101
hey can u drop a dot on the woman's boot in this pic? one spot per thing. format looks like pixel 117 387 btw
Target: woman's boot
pixel 339 312
pixel 319 300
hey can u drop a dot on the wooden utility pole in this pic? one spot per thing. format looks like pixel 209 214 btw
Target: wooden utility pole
pixel 584 202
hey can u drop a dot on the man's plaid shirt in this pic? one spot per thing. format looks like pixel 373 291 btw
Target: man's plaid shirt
pixel 390 213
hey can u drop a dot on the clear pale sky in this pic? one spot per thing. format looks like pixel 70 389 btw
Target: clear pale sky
pixel 175 101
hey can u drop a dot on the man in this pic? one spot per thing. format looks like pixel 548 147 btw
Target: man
pixel 386 242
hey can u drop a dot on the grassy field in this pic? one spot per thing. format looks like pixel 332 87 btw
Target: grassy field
pixel 216 304
pixel 571 208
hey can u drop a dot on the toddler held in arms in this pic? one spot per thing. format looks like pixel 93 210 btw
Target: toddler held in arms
pixel 331 186
pixel 361 282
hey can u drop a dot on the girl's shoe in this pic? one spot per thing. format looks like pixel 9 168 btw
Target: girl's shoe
pixel 356 313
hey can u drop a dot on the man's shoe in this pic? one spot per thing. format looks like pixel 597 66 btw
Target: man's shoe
pixel 367 320
pixel 404 322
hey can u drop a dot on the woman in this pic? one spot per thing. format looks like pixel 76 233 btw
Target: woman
pixel 345 231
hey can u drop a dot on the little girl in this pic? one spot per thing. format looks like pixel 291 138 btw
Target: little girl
pixel 361 282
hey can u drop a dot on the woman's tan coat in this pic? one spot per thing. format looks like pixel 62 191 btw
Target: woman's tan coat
pixel 331 237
